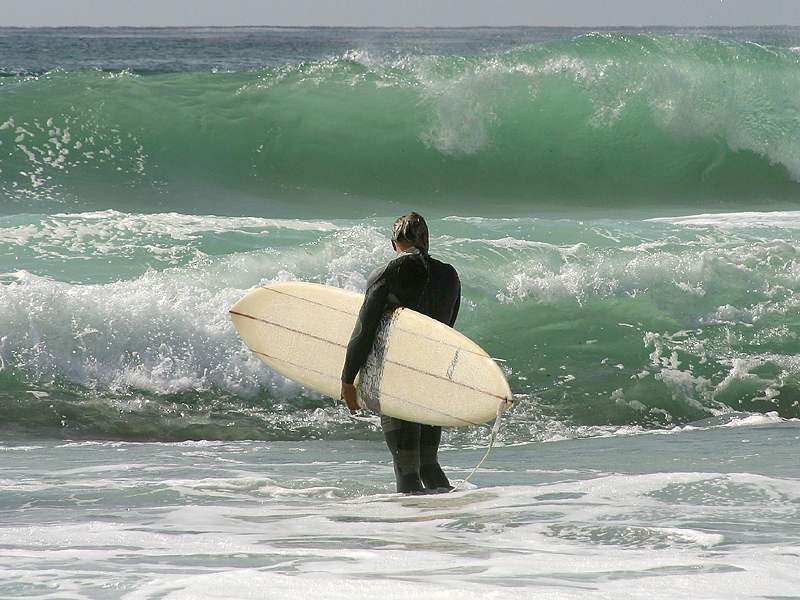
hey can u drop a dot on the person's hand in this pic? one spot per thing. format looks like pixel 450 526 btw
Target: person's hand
pixel 350 397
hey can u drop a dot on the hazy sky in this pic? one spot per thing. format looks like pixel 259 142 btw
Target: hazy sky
pixel 399 12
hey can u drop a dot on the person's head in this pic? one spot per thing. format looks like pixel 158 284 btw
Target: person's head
pixel 410 230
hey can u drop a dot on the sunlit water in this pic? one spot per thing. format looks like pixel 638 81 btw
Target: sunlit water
pixel 698 513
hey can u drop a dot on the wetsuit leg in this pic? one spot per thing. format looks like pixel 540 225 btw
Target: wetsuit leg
pixel 430 472
pixel 403 440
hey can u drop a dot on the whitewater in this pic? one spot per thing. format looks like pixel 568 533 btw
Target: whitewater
pixel 621 206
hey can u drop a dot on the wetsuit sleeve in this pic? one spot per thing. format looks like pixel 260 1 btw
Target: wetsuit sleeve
pixel 456 303
pixel 366 327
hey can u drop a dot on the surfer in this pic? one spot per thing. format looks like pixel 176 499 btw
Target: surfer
pixel 417 281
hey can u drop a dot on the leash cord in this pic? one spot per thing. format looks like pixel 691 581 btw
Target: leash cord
pixel 501 407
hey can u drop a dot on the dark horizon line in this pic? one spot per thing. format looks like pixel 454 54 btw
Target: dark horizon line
pixel 394 27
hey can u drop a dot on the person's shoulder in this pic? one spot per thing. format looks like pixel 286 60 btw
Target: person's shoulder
pixel 391 268
pixel 444 272
pixel 443 267
pixel 403 258
pixel 377 274
pixel 397 263
pixel 405 261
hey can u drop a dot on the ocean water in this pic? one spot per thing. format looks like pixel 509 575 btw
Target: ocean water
pixel 622 206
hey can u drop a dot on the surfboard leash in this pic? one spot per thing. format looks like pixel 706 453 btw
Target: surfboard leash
pixel 501 408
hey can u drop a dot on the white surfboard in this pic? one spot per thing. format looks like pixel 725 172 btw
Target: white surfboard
pixel 419 369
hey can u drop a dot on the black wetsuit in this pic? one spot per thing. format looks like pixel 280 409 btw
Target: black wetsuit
pixel 424 284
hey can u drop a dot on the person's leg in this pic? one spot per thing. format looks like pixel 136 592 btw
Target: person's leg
pixel 403 440
pixel 430 472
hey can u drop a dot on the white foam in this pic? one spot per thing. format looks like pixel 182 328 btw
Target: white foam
pixel 110 233
pixel 163 332
pixel 247 520
pixel 183 226
pixel 737 220
pixel 737 420
pixel 251 583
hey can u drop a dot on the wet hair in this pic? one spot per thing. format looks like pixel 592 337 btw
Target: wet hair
pixel 411 229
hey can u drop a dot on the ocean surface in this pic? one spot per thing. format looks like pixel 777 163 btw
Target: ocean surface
pixel 623 207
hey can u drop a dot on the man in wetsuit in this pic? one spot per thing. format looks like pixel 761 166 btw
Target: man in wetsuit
pixel 417 281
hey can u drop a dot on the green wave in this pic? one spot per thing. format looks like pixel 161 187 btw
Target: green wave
pixel 116 324
pixel 605 120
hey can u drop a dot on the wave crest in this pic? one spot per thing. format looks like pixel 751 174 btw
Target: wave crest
pixel 604 119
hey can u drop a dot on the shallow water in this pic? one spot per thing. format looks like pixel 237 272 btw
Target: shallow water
pixel 701 513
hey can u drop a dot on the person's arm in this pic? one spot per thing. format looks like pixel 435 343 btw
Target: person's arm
pixel 363 335
pixel 456 302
